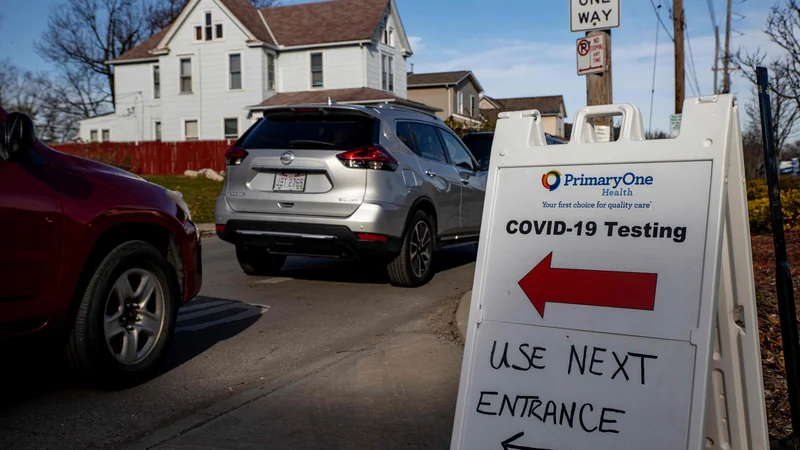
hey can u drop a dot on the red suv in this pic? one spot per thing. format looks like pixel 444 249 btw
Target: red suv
pixel 94 258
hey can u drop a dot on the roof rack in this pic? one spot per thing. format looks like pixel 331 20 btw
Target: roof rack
pixel 392 105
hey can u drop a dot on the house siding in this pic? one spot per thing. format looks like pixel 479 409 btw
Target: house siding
pixel 437 97
pixel 211 100
pixel 467 89
pixel 342 67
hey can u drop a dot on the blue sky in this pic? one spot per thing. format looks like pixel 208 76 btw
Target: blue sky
pixel 518 47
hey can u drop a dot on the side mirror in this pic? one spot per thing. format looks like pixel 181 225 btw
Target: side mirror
pixel 20 134
pixel 483 164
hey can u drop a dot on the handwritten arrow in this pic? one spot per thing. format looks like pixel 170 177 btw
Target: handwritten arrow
pixel 628 290
pixel 507 444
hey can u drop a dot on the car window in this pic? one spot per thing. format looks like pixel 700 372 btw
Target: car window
pixel 458 154
pixel 480 145
pixel 404 134
pixel 427 142
pixel 314 130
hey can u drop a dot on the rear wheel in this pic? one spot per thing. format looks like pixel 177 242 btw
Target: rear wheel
pixel 414 265
pixel 259 262
pixel 126 317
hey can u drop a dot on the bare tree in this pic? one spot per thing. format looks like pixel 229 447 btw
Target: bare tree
pixel 782 27
pixel 82 35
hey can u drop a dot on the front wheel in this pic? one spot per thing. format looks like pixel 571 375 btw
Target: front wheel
pixel 414 265
pixel 259 262
pixel 126 317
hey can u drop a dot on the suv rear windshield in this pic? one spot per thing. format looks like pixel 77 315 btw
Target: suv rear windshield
pixel 480 145
pixel 311 130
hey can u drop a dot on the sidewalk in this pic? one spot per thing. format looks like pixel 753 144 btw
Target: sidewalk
pixel 401 394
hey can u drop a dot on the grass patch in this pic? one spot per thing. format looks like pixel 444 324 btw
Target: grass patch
pixel 199 193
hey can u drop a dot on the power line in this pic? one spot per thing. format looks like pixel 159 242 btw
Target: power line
pixel 653 88
pixel 655 9
pixel 713 14
pixel 691 58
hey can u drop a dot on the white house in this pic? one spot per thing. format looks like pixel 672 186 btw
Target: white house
pixel 206 76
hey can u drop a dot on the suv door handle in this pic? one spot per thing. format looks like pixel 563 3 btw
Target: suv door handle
pixel 465 181
pixel 430 173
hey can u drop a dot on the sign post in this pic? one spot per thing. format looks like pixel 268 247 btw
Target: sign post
pixel 594 317
pixel 596 18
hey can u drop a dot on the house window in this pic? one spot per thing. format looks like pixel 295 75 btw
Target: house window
pixel 186 75
pixel 157 130
pixel 208 26
pixel 105 135
pixel 270 71
pixel 387 36
pixel 198 33
pixel 156 81
pixel 472 105
pixel 231 126
pixel 316 69
pixel 190 130
pixel 387 73
pixel 218 28
pixel 235 71
pixel 93 136
pixel 460 105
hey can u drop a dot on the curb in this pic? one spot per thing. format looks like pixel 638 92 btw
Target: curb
pixel 462 315
pixel 206 229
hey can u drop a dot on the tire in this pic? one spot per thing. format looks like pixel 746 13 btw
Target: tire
pixel 405 270
pixel 259 262
pixel 90 350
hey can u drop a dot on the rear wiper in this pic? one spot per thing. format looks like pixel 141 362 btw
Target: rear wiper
pixel 306 143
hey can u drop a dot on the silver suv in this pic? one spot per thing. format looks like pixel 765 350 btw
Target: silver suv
pixel 348 181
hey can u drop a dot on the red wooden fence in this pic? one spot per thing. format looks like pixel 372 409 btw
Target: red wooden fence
pixel 154 158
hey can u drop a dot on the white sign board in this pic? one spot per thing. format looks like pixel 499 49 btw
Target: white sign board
pixel 674 124
pixel 591 53
pixel 590 15
pixel 594 302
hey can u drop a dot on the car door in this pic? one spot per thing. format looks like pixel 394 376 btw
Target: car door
pixel 440 177
pixel 30 238
pixel 473 181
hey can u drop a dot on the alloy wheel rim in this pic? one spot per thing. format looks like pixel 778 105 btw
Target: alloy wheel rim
pixel 420 249
pixel 134 316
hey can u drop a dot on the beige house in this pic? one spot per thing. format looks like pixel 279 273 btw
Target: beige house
pixel 456 93
pixel 551 107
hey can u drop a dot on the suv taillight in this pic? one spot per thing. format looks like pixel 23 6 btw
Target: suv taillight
pixel 235 155
pixel 372 157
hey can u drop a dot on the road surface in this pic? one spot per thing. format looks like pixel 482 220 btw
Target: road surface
pixel 239 333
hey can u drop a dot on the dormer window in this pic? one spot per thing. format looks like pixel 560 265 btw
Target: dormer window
pixel 209 30
pixel 208 26
pixel 386 33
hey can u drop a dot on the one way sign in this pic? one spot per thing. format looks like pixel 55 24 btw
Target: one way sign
pixel 590 15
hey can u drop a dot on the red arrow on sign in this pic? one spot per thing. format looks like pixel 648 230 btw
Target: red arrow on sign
pixel 628 290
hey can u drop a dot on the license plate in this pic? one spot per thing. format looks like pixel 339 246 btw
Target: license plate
pixel 290 182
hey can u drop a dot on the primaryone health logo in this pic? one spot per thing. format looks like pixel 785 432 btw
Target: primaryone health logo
pixel 551 180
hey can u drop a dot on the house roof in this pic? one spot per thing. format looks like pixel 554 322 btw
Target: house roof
pixel 248 15
pixel 142 51
pixel 437 78
pixel 344 96
pixel 323 22
pixel 547 105
pixel 418 80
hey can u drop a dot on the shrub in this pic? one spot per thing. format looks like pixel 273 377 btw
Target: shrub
pixel 758 204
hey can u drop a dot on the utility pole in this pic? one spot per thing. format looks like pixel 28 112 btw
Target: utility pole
pixel 680 78
pixel 726 75
pixel 716 59
pixel 598 85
